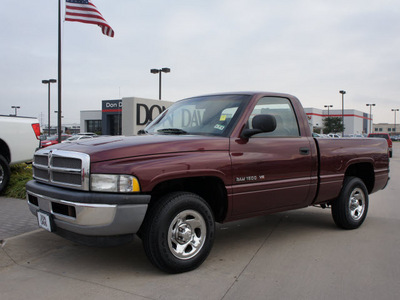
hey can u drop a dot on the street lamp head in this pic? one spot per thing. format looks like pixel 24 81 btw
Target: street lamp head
pixel 342 92
pixel 370 104
pixel 49 81
pixel 156 71
pixel 395 109
pixel 328 105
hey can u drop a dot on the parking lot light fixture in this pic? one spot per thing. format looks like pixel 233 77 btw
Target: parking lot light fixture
pixel 370 115
pixel 395 110
pixel 328 106
pixel 159 71
pixel 342 92
pixel 48 82
pixel 16 108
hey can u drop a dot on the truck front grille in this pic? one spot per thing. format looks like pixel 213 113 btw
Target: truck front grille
pixel 62 168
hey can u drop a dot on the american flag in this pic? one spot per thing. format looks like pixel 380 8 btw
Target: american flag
pixel 85 11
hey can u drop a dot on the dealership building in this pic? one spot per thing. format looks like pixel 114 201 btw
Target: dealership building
pixel 124 116
pixel 355 122
pixel 127 116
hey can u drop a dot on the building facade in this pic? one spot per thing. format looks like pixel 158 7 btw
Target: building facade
pixel 391 129
pixel 355 122
pixel 124 116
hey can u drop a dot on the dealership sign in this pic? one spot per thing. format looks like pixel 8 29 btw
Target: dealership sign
pixel 146 113
pixel 111 106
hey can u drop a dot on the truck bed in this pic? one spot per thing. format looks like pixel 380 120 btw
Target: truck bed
pixel 340 157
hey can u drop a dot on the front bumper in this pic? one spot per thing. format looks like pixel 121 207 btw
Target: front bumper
pixel 88 213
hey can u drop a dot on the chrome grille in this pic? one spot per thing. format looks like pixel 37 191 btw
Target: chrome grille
pixel 62 168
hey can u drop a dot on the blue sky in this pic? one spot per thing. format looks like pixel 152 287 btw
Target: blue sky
pixel 308 48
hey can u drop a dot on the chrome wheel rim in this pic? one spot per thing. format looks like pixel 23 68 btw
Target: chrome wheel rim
pixel 357 204
pixel 187 234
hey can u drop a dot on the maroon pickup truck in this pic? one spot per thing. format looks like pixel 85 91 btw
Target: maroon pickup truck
pixel 214 158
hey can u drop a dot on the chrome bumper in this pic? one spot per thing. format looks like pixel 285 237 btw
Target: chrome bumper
pixel 123 214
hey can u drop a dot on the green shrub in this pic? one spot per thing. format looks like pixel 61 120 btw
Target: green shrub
pixel 20 175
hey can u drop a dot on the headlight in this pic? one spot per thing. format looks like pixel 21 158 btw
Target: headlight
pixel 114 183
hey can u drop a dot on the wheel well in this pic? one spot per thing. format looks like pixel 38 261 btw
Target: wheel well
pixel 211 189
pixel 365 172
pixel 4 151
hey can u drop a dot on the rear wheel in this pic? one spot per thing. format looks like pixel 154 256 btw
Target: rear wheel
pixel 178 232
pixel 4 173
pixel 349 210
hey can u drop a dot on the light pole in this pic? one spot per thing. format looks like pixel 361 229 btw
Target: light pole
pixel 16 107
pixel 59 131
pixel 342 92
pixel 370 115
pixel 328 106
pixel 328 121
pixel 159 71
pixel 48 111
pixel 395 110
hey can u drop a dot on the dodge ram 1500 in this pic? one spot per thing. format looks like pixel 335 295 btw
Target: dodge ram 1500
pixel 207 159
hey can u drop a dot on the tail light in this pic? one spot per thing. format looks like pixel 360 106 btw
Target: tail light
pixel 36 129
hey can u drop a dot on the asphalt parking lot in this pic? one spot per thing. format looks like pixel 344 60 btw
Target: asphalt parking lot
pixel 293 255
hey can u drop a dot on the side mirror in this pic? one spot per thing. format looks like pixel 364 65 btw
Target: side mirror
pixel 260 123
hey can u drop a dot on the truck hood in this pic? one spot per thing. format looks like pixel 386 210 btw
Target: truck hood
pixel 117 147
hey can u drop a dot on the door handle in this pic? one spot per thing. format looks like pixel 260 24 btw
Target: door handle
pixel 304 151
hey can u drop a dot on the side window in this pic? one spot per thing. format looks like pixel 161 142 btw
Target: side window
pixel 281 109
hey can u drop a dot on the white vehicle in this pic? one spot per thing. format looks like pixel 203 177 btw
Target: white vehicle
pixel 80 136
pixel 19 138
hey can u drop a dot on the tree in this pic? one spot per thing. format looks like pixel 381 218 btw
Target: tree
pixel 333 124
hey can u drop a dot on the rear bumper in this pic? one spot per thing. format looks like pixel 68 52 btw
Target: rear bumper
pixel 87 213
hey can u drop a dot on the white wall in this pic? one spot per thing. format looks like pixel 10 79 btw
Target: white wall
pixel 88 115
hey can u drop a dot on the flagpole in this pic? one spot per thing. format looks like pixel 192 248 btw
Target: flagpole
pixel 59 72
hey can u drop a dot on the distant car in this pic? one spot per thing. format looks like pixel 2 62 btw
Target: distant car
pixel 395 138
pixel 79 137
pixel 385 136
pixel 52 140
pixel 87 133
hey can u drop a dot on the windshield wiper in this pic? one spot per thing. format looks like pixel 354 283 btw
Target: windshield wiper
pixel 171 131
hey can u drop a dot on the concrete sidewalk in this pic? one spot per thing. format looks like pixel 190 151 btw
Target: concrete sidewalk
pixel 294 255
pixel 15 218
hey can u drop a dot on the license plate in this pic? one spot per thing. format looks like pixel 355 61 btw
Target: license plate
pixel 44 220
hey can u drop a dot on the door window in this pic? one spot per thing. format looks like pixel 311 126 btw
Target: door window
pixel 282 110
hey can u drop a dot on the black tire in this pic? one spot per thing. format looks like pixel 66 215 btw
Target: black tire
pixel 178 232
pixel 390 153
pixel 4 173
pixel 350 209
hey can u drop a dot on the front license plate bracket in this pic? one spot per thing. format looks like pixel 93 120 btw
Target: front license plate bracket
pixel 45 221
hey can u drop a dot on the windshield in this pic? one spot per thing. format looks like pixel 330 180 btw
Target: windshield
pixel 208 115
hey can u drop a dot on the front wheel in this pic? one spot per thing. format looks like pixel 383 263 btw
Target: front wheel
pixel 349 210
pixel 4 173
pixel 178 232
